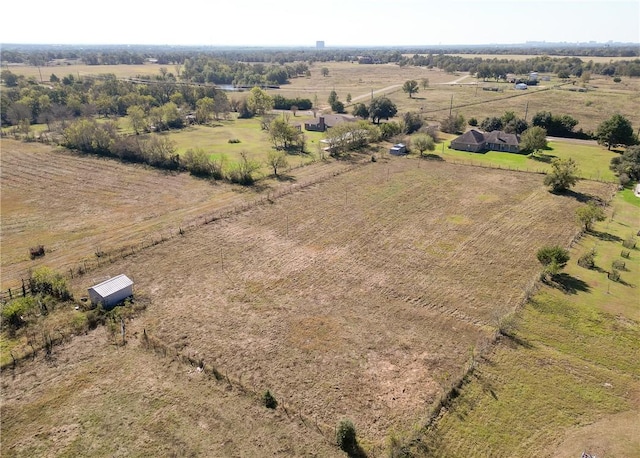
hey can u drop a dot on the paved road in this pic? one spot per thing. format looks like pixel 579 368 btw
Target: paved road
pixel 578 141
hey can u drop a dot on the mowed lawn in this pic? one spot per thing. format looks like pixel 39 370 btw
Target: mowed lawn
pixel 360 297
pixel 568 380
pixel 592 160
pixel 251 139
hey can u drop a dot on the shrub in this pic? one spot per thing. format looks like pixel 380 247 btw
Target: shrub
pixel 549 254
pixel 629 242
pixel 234 140
pixel 587 260
pixel 625 253
pixel 44 280
pixel 14 313
pixel 553 258
pixel 617 79
pixel 269 400
pixel 346 436
pixel 614 275
pixel 618 264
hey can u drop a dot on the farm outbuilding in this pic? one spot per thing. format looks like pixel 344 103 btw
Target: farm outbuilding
pixel 398 149
pixel 111 292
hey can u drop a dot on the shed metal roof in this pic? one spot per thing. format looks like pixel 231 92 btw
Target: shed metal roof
pixel 108 287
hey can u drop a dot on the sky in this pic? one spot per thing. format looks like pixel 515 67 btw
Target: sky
pixel 299 23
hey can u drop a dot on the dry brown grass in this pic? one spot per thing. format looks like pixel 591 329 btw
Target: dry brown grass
pixel 361 297
pixel 75 205
pixel 95 399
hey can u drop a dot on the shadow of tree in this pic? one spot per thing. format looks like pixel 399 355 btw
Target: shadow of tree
pixel 284 177
pixel 357 452
pixel 569 284
pixel 517 341
pixel 431 157
pixel 579 196
pixel 542 157
pixel 605 236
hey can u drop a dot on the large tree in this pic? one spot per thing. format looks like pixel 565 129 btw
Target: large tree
pixel 563 175
pixel 533 140
pixel 589 214
pixel 382 108
pixel 423 142
pixel 204 110
pixel 137 118
pixel 360 110
pixel 259 102
pixel 627 166
pixel 553 258
pixel 410 87
pixel 615 131
pixel 285 136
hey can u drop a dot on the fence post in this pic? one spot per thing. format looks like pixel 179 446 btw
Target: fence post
pixel 24 290
pixel 10 296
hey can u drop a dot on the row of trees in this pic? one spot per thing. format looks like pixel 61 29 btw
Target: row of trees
pixel 498 68
pixel 138 54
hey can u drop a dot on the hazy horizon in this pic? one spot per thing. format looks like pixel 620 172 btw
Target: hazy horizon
pixel 344 23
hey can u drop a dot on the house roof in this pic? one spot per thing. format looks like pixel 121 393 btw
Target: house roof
pixel 471 137
pixel 500 137
pixel 108 287
pixel 331 120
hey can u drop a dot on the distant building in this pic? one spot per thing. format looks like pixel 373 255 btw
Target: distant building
pixel 319 44
pixel 111 292
pixel 325 122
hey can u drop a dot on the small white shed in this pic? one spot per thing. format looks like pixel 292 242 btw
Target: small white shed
pixel 398 149
pixel 111 292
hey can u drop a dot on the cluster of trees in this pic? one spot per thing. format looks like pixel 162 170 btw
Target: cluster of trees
pixel 126 54
pixel 336 105
pixel 103 139
pixel 555 125
pixel 73 97
pixel 627 165
pixel 498 68
pixel 283 103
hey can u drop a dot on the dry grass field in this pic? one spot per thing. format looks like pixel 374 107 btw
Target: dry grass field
pixel 362 297
pixel 95 399
pixel 75 205
pixel 365 294
pixel 602 99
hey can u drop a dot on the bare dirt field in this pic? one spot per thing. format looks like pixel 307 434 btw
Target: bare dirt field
pixel 75 205
pixel 359 297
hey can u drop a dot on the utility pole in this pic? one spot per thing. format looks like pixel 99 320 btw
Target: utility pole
pixel 526 110
pixel 451 105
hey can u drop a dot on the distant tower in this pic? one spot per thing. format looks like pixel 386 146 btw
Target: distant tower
pixel 319 44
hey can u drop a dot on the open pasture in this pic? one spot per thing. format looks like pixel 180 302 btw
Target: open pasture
pixel 214 139
pixel 76 205
pixel 602 99
pixel 80 70
pixel 568 380
pixel 96 400
pixel 361 297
